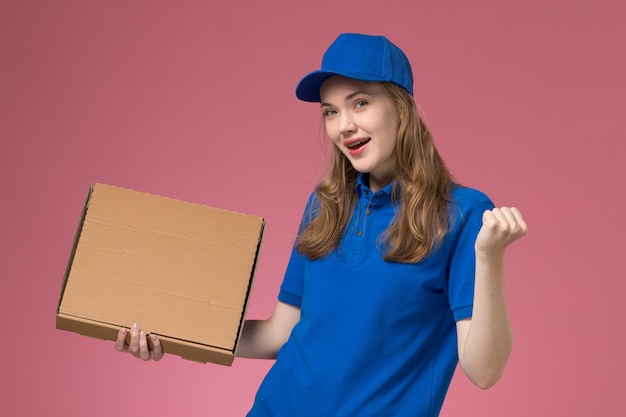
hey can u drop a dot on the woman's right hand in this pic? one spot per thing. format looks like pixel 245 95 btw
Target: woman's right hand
pixel 138 346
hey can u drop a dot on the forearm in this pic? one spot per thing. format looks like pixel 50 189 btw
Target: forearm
pixel 257 341
pixel 488 342
pixel 262 339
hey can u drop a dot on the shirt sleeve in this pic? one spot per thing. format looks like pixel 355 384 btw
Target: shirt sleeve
pixel 293 283
pixel 471 206
pixel 292 287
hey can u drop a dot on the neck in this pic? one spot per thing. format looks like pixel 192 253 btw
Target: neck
pixel 375 183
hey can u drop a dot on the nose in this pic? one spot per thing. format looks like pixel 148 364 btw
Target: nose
pixel 347 126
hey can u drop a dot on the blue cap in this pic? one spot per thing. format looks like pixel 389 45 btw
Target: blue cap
pixel 361 57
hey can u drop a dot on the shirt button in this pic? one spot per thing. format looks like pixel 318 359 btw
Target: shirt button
pixel 368 212
pixel 359 233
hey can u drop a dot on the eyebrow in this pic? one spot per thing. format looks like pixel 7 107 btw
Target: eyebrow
pixel 350 97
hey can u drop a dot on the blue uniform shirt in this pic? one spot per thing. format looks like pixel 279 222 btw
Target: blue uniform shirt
pixel 375 338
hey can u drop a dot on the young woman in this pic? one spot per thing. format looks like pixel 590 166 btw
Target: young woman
pixel 397 271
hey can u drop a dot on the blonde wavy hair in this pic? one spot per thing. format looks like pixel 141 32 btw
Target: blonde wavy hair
pixel 422 186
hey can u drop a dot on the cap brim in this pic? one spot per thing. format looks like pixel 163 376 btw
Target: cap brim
pixel 308 89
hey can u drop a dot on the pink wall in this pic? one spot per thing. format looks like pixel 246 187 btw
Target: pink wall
pixel 194 100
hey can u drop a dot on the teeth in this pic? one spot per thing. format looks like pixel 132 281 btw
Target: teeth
pixel 357 144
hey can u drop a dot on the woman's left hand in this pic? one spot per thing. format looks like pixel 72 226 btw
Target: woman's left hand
pixel 501 227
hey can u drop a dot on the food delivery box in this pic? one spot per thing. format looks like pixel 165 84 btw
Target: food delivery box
pixel 182 271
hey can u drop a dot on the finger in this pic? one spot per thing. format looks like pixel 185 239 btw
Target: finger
pixel 144 352
pixel 516 229
pixel 157 350
pixel 120 342
pixel 520 219
pixel 509 217
pixel 500 214
pixel 488 217
pixel 133 346
pixel 495 220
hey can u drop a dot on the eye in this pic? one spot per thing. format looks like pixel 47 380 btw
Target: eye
pixel 360 103
pixel 328 112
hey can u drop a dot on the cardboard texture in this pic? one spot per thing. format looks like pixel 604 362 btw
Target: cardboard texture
pixel 181 270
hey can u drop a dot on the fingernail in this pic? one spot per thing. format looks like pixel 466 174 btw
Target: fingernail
pixel 135 326
pixel 123 331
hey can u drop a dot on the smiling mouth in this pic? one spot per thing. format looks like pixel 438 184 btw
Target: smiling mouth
pixel 356 145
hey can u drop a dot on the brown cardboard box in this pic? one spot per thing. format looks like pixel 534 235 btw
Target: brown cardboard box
pixel 181 270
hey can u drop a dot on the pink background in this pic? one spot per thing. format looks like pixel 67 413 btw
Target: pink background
pixel 194 100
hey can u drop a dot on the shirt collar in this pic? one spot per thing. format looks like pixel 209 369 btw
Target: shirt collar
pixel 363 190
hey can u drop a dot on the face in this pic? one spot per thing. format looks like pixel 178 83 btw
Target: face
pixel 362 121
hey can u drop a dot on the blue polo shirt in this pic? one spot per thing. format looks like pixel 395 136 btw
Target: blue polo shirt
pixel 375 338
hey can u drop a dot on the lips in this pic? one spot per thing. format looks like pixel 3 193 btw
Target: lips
pixel 355 145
